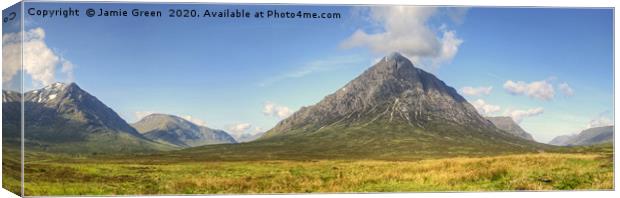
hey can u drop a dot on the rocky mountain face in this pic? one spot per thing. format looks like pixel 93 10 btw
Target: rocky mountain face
pixel 394 107
pixel 393 89
pixel 10 96
pixel 509 125
pixel 11 116
pixel 589 136
pixel 177 131
pixel 63 117
pixel 68 101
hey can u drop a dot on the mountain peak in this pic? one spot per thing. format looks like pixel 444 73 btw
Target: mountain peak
pixel 11 96
pixel 397 65
pixel 507 124
pixel 64 113
pixel 394 56
pixel 57 85
pixel 160 120
pixel 70 100
pixel 391 90
pixel 55 92
pixel 178 131
pixel 159 115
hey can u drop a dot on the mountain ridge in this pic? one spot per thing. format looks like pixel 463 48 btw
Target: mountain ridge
pixel 590 136
pixel 63 117
pixel 171 129
pixel 507 124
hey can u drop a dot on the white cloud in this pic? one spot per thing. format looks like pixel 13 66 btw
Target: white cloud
pixel 239 128
pixel 10 56
pixel 243 129
pixel 67 69
pixel 275 110
pixel 566 89
pixel 476 91
pixel 603 119
pixel 541 90
pixel 518 115
pixel 484 108
pixel 328 64
pixel 405 29
pixel 449 47
pixel 39 61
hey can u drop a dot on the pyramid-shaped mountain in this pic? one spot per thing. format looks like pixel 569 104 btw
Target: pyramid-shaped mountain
pixel 392 90
pixel 64 118
pixel 391 108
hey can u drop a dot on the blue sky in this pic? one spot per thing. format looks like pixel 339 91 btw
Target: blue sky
pixel 551 69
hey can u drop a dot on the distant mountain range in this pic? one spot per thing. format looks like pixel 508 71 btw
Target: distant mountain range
pixel 391 110
pixel 509 125
pixel 249 137
pixel 173 130
pixel 64 118
pixel 589 136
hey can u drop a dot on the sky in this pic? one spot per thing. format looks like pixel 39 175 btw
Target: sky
pixel 550 69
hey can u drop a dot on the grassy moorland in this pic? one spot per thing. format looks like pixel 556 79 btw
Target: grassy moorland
pixel 573 168
pixel 11 168
pixel 376 141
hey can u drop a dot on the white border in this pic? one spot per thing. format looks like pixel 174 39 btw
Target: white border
pixel 518 3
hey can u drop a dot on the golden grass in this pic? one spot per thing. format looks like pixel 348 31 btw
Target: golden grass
pixel 544 171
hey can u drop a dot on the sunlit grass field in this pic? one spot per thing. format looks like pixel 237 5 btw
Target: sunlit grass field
pixel 542 171
pixel 11 168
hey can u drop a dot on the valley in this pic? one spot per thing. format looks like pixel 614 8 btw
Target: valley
pixel 394 128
